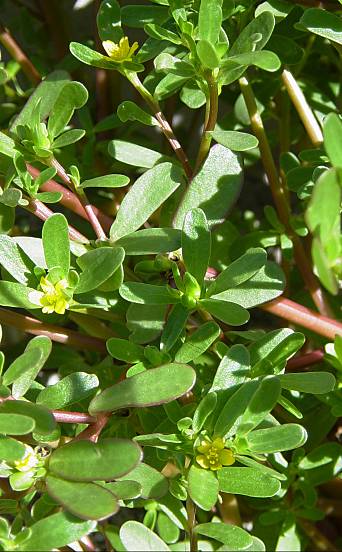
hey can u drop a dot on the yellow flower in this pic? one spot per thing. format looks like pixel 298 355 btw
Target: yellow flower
pixel 28 462
pixel 120 52
pixel 213 454
pixel 52 298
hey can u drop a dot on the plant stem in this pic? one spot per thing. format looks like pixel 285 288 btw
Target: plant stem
pixel 320 541
pixel 303 109
pixel 16 53
pixel 297 314
pixel 164 124
pixel 70 200
pixel 301 361
pixel 43 212
pixel 191 514
pixel 209 125
pixel 66 417
pixel 280 200
pixel 94 221
pixel 55 333
pixel 92 433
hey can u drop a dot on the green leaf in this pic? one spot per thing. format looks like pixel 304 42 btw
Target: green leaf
pixel 196 244
pixel 145 196
pixel 151 240
pixel 231 535
pixel 322 266
pixel 109 21
pixel 138 16
pixel 270 353
pixel 13 294
pixel 145 323
pixel 247 481
pixel 10 449
pixel 332 132
pixel 97 266
pixel 174 326
pixel 49 197
pixel 263 401
pixel 158 32
pixel 135 536
pixel 152 387
pixel 125 490
pixel 203 487
pixel 91 57
pixel 322 23
pixel 74 496
pixel 203 411
pixel 68 137
pixel 146 294
pixel 215 188
pixel 209 20
pixel 129 111
pixel 7 216
pixel 72 388
pixel 72 96
pixel 16 424
pixel 47 92
pixel 107 181
pixel 25 368
pixel 207 54
pixel 261 28
pixel 14 260
pixel 239 271
pixel 230 313
pixel 233 369
pixel 56 242
pixel 267 284
pixel 153 483
pixel 234 140
pixel 56 531
pixel 44 420
pixel 7 145
pixel 87 461
pixel 263 59
pixel 133 154
pixel 234 408
pixel 317 383
pixel 198 342
pixel 276 439
pixel 125 350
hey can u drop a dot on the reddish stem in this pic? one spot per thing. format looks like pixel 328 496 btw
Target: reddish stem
pixel 70 200
pixel 65 417
pixel 55 333
pixel 43 213
pixel 297 314
pixel 302 361
pixel 16 53
pixel 92 433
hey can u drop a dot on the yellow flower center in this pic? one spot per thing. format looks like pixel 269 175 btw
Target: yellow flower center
pixel 53 297
pixel 29 462
pixel 214 455
pixel 122 51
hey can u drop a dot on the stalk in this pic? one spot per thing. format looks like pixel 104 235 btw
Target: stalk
pixel 18 55
pixel 66 417
pixel 280 199
pixel 210 122
pixel 191 514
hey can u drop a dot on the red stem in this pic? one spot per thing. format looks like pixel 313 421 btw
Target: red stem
pixel 70 200
pixel 92 432
pixel 65 417
pixel 307 359
pixel 297 314
pixel 16 53
pixel 55 333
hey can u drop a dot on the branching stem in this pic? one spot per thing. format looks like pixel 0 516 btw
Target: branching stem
pixel 210 122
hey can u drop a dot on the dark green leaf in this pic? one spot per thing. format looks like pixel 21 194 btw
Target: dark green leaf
pixel 247 481
pixel 275 439
pixel 56 242
pixel 147 294
pixel 198 342
pixel 230 313
pixel 232 536
pixel 97 266
pixel 153 483
pixel 71 389
pixel 196 244
pixel 203 487
pixel 151 240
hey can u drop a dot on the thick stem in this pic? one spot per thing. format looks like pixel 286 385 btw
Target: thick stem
pixel 70 200
pixel 164 125
pixel 191 514
pixel 16 53
pixel 280 199
pixel 302 361
pixel 66 417
pixel 94 221
pixel 55 333
pixel 301 316
pixel 209 125
pixel 303 109
pixel 43 212
pixel 92 433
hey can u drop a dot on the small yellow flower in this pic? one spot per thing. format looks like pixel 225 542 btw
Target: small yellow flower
pixel 28 462
pixel 120 52
pixel 213 454
pixel 52 298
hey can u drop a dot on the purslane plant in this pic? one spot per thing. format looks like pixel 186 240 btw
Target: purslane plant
pixel 156 381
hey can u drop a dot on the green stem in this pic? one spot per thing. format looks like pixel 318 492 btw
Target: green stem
pixel 164 124
pixel 280 199
pixel 191 514
pixel 303 109
pixel 210 122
